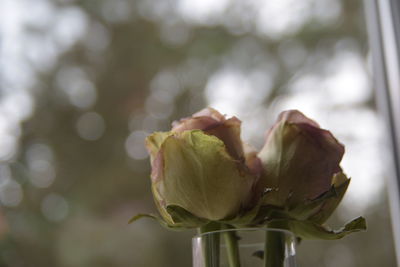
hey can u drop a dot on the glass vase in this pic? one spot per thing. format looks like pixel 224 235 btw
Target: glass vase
pixel 246 247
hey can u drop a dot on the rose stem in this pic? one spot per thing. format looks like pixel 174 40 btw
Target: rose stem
pixel 274 251
pixel 232 247
pixel 211 244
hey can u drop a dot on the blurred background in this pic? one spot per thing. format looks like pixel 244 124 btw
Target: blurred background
pixel 84 81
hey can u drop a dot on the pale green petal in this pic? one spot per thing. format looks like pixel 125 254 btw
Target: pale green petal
pixel 154 142
pixel 160 204
pixel 201 177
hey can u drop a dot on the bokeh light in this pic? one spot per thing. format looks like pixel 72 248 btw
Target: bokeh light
pixel 82 83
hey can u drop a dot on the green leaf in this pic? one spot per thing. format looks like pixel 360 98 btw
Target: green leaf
pixel 180 216
pixel 314 231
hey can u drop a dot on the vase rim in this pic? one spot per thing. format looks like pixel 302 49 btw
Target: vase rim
pixel 249 229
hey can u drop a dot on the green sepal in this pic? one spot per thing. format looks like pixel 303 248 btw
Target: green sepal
pixel 182 217
pixel 313 231
pixel 153 217
pixel 211 227
pixel 143 215
pixel 247 217
pixel 267 213
pixel 175 227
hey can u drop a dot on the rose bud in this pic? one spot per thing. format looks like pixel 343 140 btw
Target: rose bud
pixel 302 172
pixel 211 122
pixel 200 167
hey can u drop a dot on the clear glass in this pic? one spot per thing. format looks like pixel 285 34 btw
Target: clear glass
pixel 214 249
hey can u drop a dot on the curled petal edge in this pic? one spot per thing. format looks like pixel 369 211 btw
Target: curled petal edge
pixel 309 230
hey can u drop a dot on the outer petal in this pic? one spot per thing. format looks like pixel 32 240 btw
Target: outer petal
pixel 200 123
pixel 214 123
pixel 229 133
pixel 319 209
pixel 154 142
pixel 153 145
pixel 203 120
pixel 340 183
pixel 201 177
pixel 252 161
pixel 300 159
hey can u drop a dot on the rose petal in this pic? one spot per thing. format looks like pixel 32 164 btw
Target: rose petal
pixel 201 177
pixel 300 159
pixel 214 123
